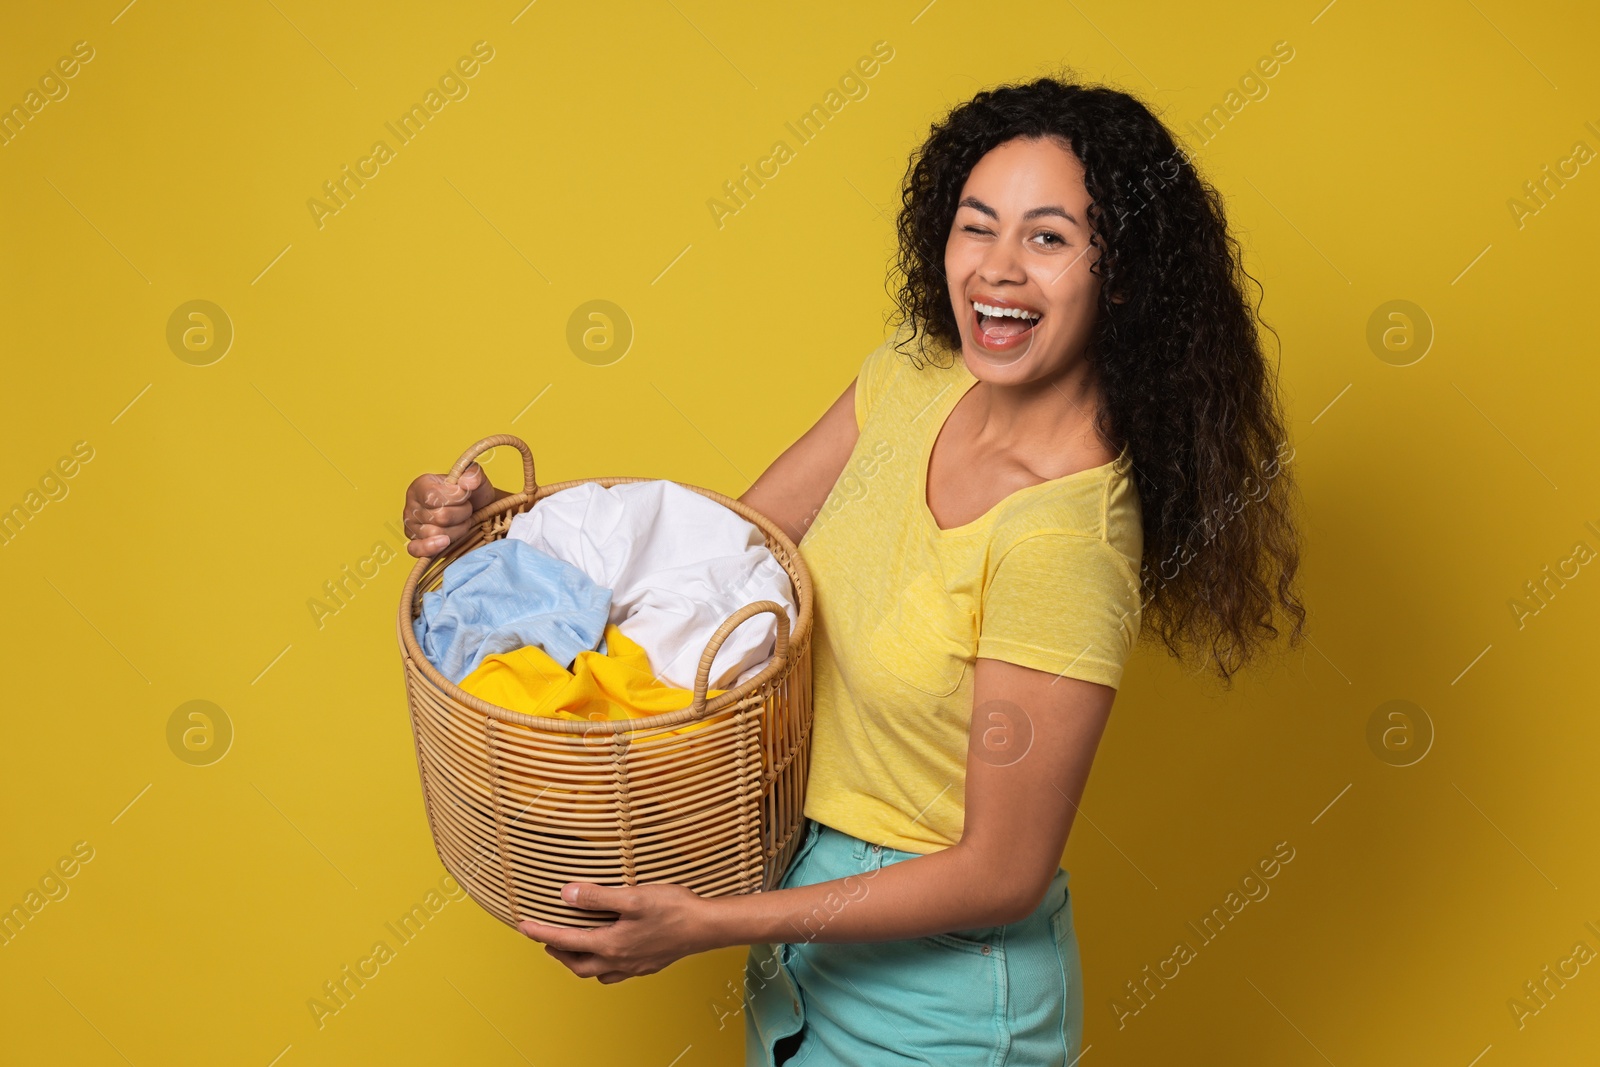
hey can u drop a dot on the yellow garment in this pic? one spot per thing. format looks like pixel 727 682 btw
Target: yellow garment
pixel 618 685
pixel 1048 579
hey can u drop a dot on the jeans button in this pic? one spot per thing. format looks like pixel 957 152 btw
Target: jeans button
pixel 985 950
pixel 877 848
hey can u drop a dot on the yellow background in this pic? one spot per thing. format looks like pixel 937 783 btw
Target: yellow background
pixel 432 310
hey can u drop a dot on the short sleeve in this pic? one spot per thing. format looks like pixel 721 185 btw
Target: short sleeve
pixel 1062 603
pixel 870 380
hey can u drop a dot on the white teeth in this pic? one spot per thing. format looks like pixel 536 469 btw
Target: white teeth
pixel 998 312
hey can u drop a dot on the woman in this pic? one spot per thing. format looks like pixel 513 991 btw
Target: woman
pixel 1083 439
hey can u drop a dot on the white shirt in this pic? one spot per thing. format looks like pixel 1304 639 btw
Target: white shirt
pixel 677 564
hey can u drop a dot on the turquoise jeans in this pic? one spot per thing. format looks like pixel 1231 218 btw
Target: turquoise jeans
pixel 1001 996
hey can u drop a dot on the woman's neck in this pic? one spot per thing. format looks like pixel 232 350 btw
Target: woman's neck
pixel 1047 424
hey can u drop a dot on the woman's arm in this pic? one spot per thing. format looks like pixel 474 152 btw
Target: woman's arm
pixel 1019 811
pixel 792 490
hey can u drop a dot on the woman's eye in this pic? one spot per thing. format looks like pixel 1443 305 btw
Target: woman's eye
pixel 1052 240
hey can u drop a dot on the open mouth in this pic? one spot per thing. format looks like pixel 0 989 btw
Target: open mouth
pixel 1001 329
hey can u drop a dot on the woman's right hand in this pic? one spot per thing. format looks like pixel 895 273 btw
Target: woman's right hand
pixel 436 512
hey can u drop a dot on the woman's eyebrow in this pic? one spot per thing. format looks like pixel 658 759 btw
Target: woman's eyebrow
pixel 1032 213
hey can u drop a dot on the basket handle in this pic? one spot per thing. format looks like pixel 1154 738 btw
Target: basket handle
pixel 495 441
pixel 780 654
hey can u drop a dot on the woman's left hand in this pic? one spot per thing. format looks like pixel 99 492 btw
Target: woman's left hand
pixel 656 926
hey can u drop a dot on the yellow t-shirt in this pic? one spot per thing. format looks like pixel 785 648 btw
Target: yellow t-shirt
pixel 1048 579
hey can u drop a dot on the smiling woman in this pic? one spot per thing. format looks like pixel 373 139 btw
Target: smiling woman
pixel 1011 297
pixel 1150 298
pixel 1074 388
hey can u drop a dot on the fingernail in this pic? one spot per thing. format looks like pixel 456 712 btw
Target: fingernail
pixel 569 893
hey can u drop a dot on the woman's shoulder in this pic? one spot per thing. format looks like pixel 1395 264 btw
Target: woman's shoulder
pixel 905 373
pixel 1098 504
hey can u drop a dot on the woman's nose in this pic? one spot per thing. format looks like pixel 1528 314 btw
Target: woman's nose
pixel 1002 261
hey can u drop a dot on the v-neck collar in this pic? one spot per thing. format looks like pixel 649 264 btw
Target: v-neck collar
pixel 941 409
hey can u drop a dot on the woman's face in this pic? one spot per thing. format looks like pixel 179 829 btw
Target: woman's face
pixel 1019 246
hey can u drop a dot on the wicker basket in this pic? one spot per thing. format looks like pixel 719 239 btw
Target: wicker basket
pixel 708 797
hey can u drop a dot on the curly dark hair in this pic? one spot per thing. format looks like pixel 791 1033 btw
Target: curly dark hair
pixel 1182 379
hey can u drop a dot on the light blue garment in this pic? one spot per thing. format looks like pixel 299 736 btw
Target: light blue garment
pixel 504 596
pixel 1002 996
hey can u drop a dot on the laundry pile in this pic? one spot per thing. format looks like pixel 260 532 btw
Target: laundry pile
pixel 599 603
